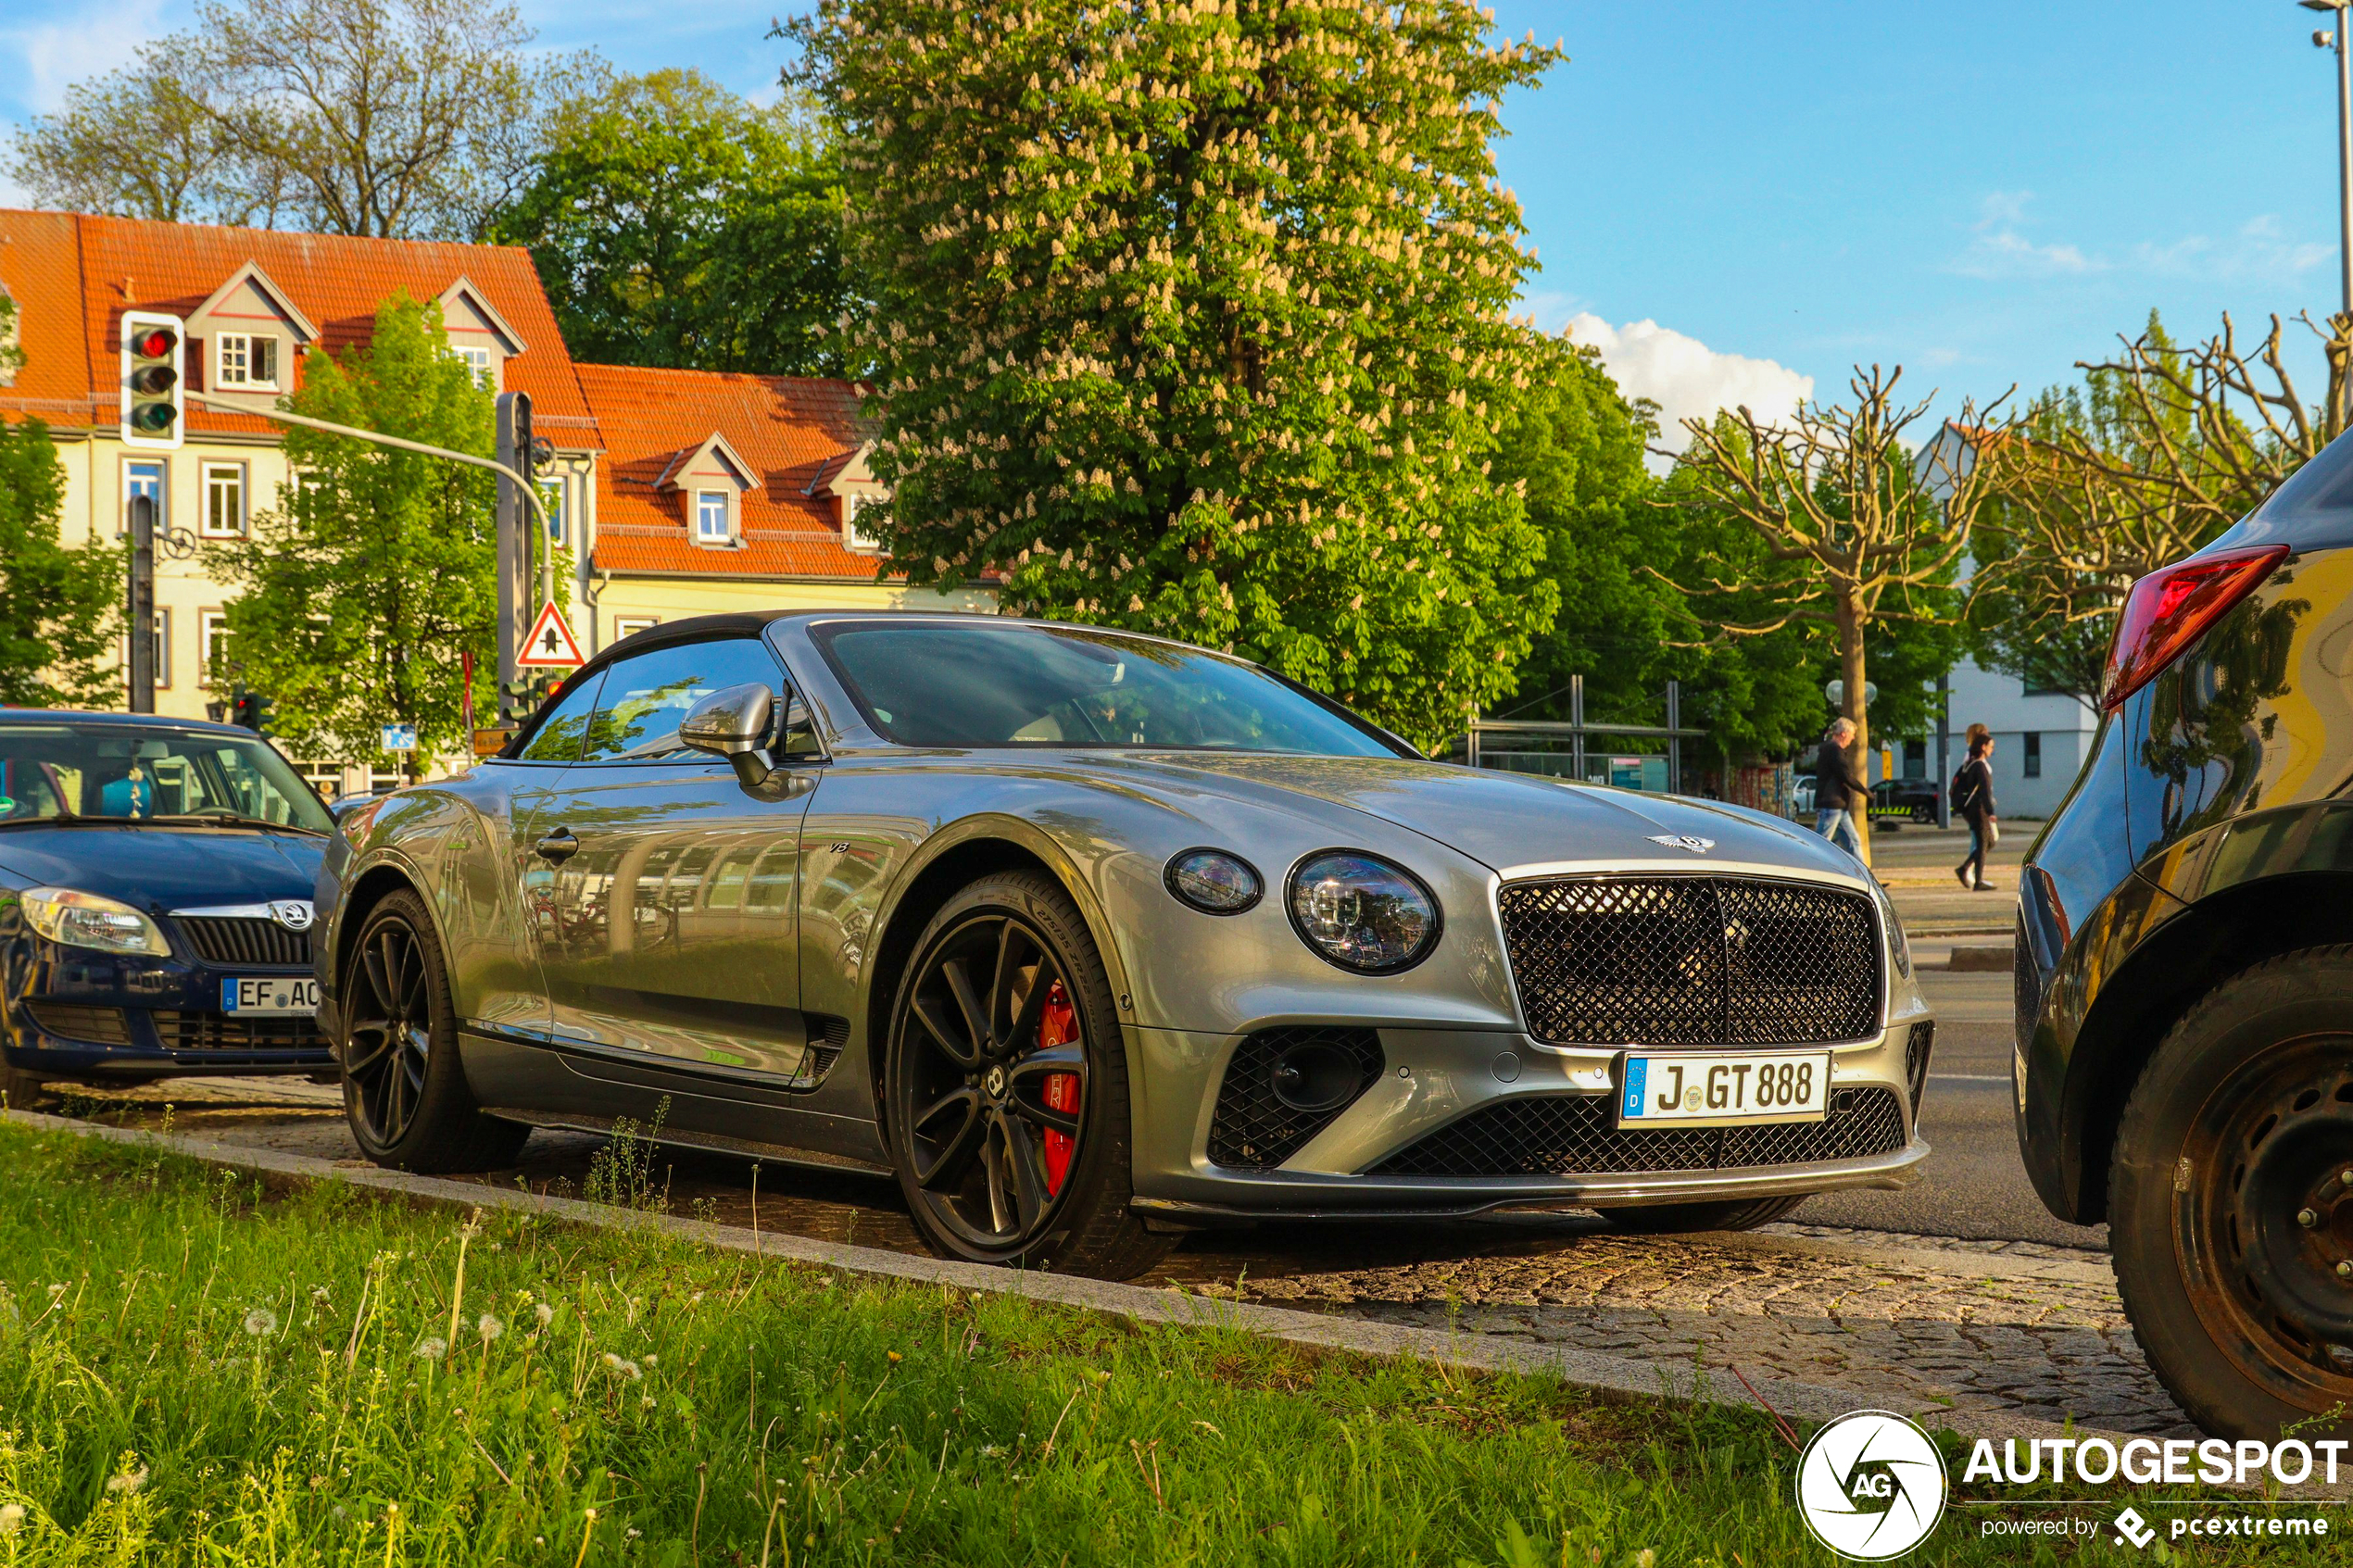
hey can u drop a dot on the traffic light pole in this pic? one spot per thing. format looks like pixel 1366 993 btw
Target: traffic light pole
pixel 514 485
pixel 142 605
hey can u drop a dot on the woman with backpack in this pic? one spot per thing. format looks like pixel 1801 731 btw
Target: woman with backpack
pixel 1973 796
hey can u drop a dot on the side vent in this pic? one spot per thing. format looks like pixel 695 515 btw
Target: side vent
pixel 828 1038
pixel 1283 1086
pixel 1916 1045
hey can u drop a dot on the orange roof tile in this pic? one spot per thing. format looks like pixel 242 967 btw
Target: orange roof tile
pixel 74 274
pixel 794 433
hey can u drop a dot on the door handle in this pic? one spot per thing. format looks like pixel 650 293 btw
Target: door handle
pixel 558 845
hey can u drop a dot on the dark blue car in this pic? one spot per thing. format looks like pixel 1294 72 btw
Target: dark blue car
pixel 155 879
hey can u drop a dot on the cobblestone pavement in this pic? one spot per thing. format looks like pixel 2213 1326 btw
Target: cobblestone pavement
pixel 1983 1325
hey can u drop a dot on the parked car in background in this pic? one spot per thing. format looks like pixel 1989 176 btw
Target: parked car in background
pixel 2184 1036
pixel 1090 938
pixel 155 879
pixel 1801 799
pixel 1904 800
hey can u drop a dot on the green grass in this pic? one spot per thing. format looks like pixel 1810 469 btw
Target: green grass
pixel 194 1370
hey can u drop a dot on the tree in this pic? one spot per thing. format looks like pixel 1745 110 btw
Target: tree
pixel 391 119
pixel 1847 537
pixel 57 620
pixel 1190 319
pixel 361 591
pixel 673 223
pixel 2161 449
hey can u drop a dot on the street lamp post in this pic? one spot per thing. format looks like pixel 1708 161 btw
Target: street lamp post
pixel 2336 37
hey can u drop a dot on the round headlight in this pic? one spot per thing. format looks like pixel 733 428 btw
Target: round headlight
pixel 1362 913
pixel 1214 882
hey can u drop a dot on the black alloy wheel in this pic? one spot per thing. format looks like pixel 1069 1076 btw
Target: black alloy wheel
pixel 404 1088
pixel 2232 1201
pixel 1006 1087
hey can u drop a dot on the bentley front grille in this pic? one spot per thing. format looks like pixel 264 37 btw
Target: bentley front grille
pixel 1283 1086
pixel 1692 961
pixel 1573 1136
pixel 245 940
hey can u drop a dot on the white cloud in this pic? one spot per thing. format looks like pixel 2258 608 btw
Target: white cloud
pixel 1686 378
pixel 51 56
pixel 1996 248
pixel 2260 252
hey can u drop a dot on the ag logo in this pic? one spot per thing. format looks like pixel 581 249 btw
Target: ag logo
pixel 1870 1486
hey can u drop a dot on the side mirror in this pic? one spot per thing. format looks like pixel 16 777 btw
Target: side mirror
pixel 735 722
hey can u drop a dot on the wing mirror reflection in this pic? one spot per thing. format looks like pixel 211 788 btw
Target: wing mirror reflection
pixel 735 722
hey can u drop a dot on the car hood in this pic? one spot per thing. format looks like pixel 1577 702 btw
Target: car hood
pixel 152 868
pixel 1518 823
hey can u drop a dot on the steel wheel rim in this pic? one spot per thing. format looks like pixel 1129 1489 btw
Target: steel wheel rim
pixel 389 1041
pixel 976 1071
pixel 2263 1239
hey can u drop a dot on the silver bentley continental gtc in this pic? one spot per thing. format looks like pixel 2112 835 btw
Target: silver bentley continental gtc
pixel 1089 940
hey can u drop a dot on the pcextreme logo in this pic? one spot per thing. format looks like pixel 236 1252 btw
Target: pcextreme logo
pixel 1870 1486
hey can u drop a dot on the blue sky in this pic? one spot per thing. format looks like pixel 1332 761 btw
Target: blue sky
pixel 1741 201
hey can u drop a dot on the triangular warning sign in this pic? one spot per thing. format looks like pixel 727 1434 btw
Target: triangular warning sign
pixel 551 645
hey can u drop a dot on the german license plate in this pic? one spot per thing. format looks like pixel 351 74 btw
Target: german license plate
pixel 277 996
pixel 1689 1089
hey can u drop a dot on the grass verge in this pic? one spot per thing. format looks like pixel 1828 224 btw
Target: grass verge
pixel 194 1369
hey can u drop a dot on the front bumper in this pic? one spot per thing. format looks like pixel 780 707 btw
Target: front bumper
pixel 72 1014
pixel 1434 1078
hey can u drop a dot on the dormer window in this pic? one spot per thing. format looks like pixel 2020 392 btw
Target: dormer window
pixel 713 523
pixel 244 359
pixel 853 536
pixel 480 362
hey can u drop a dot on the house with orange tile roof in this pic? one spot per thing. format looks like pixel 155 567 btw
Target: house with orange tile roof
pixel 707 491
pixel 732 492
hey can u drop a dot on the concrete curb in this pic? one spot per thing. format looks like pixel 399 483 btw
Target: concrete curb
pixel 1924 1260
pixel 1619 1377
pixel 1980 960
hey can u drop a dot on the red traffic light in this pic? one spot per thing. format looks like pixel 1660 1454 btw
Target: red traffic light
pixel 153 342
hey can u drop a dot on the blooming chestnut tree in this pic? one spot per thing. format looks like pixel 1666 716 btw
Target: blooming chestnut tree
pixel 1190 317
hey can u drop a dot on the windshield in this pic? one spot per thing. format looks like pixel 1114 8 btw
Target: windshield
pixel 983 684
pixel 60 772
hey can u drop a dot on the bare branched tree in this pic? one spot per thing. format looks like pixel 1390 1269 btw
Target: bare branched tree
pixel 1849 530
pixel 2163 449
pixel 390 119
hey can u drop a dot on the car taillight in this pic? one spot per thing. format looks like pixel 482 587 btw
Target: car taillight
pixel 2172 607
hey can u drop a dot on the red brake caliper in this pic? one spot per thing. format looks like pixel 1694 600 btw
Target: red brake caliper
pixel 1058 1025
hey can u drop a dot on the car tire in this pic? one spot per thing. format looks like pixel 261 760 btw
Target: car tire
pixel 404 1086
pixel 962 1090
pixel 2240 1126
pixel 1678 1219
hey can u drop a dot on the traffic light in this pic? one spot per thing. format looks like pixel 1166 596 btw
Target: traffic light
pixel 151 381
pixel 251 712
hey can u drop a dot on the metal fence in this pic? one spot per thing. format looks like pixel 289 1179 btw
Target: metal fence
pixel 1574 749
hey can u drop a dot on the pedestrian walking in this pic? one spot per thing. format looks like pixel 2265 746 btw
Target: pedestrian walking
pixel 1973 796
pixel 1838 794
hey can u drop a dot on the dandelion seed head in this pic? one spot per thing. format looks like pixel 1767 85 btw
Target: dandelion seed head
pixel 318 1294
pixel 128 1481
pixel 430 1349
pixel 11 1518
pixel 490 1327
pixel 261 1322
pixel 543 1313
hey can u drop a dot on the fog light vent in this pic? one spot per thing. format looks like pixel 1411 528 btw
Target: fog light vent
pixel 1283 1086
pixel 86 1025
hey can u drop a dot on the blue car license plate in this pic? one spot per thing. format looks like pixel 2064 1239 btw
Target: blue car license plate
pixel 277 996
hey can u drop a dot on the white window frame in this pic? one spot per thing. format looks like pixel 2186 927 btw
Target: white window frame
pixel 630 625
pixel 852 536
pixel 727 534
pixel 163 647
pixel 211 473
pixel 555 491
pixel 233 360
pixel 479 360
pixel 163 493
pixel 212 625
